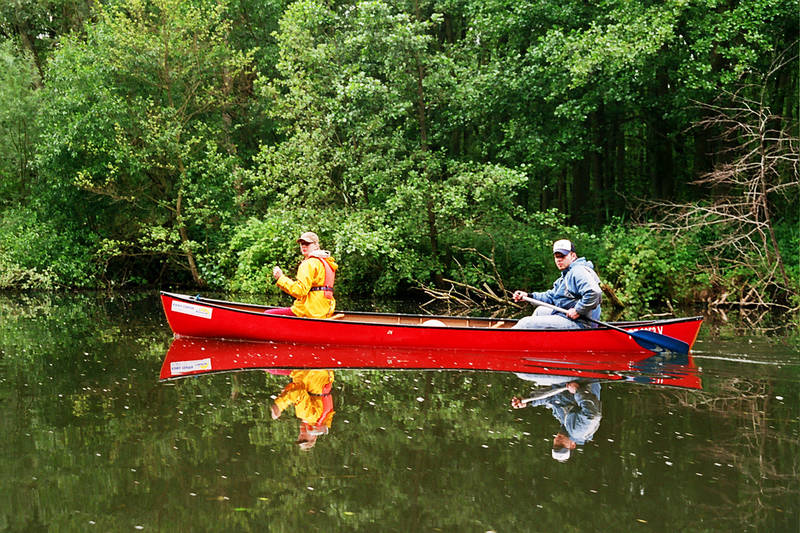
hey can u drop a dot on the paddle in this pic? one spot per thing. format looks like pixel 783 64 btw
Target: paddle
pixel 543 395
pixel 650 340
pixel 552 392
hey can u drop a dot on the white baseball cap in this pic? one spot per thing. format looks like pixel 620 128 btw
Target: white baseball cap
pixel 561 454
pixel 563 246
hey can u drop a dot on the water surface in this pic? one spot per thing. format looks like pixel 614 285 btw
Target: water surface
pixel 92 440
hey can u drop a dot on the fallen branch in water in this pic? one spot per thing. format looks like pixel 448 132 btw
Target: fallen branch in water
pixel 463 298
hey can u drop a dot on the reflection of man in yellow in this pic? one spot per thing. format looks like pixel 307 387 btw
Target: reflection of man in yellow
pixel 310 393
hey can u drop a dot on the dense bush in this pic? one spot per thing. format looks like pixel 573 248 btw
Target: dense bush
pixel 36 255
pixel 651 269
pixel 373 260
pixel 377 255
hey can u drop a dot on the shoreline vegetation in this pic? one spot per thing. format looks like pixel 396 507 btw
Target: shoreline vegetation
pixel 728 322
pixel 437 148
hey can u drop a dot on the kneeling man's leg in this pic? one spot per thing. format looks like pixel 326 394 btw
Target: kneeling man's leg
pixel 544 318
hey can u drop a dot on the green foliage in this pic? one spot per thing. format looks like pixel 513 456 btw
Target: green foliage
pixel 369 256
pixel 380 253
pixel 518 250
pixel 36 25
pixel 344 106
pixel 648 269
pixel 35 255
pixel 255 248
pixel 188 142
pixel 19 103
pixel 373 257
pixel 135 116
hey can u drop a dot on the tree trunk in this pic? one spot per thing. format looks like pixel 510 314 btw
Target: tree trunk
pixel 596 195
pixel 660 160
pixel 661 153
pixel 561 194
pixel 764 200
pixel 27 44
pixel 185 234
pixel 185 242
pixel 618 177
pixel 433 233
pixel 580 190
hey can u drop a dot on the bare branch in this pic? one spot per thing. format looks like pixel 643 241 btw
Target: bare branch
pixel 465 297
pixel 760 159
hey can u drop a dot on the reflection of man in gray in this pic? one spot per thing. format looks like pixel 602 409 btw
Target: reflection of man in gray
pixel 577 408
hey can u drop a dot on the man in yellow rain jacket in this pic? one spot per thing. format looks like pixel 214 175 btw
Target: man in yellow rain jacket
pixel 310 393
pixel 313 289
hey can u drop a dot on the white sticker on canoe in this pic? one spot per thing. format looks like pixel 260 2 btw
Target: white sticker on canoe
pixel 654 329
pixel 182 367
pixel 191 309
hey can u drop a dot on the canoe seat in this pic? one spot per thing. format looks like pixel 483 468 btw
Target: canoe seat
pixel 498 324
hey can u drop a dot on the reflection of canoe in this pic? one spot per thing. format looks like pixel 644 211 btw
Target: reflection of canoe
pixel 190 316
pixel 187 357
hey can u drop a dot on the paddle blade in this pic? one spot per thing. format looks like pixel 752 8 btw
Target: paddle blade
pixel 658 342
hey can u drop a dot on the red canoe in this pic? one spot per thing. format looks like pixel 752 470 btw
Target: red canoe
pixel 191 357
pixel 193 316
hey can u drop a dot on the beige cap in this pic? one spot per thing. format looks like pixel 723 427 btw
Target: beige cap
pixel 309 237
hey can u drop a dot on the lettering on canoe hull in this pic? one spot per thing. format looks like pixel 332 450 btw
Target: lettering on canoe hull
pixel 182 367
pixel 654 329
pixel 192 309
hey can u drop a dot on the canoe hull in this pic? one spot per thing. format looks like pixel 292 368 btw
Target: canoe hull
pixel 215 319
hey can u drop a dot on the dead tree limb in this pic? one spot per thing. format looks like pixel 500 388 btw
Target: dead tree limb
pixel 760 160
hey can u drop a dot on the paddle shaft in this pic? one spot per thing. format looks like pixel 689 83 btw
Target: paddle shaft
pixel 559 390
pixel 645 339
pixel 560 310
pixel 544 395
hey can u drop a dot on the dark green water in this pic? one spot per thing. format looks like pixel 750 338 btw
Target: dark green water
pixel 92 441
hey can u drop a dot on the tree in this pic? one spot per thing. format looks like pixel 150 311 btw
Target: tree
pixel 757 172
pixel 35 25
pixel 136 118
pixel 19 104
pixel 363 100
pixel 594 100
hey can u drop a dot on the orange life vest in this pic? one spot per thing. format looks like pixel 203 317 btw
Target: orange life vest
pixel 327 402
pixel 327 409
pixel 330 278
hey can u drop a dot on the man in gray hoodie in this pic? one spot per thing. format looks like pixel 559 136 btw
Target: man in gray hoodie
pixel 577 291
pixel 579 411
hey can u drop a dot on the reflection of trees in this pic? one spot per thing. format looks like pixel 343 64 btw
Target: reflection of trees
pixel 756 438
pixel 746 321
pixel 90 435
pixel 96 439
